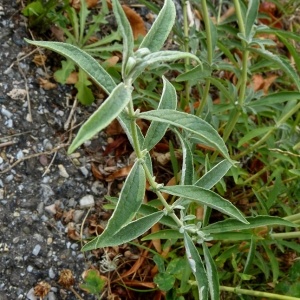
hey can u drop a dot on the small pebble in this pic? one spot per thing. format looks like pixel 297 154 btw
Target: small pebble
pixel 97 188
pixel 84 171
pixel 50 209
pixel 51 296
pixel 49 241
pixel 51 273
pixel 20 154
pixel 36 250
pixel 74 246
pixel 77 215
pixel 62 171
pixel 1 160
pixel 6 113
pixel 29 268
pixel 30 295
pixel 9 178
pixel 87 201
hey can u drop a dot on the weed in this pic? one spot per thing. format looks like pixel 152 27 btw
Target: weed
pixel 241 116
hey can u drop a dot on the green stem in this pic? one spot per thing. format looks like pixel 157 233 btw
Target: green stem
pixel 210 52
pixel 185 101
pixel 292 218
pixel 256 293
pixel 149 177
pixel 285 235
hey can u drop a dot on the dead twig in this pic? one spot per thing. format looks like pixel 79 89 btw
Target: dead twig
pixel 34 155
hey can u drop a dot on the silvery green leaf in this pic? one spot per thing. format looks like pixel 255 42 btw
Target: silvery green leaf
pixel 83 60
pixel 130 200
pixel 213 176
pixel 253 222
pixel 212 274
pixel 102 117
pixel 159 57
pixel 155 38
pixel 125 123
pixel 251 16
pixel 187 170
pixel 195 126
pixel 197 267
pixel 126 32
pixel 128 233
pixel 202 196
pixel 157 130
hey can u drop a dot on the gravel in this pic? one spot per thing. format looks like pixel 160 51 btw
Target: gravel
pixel 34 245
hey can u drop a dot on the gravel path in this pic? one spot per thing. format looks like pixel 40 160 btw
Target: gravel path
pixel 38 202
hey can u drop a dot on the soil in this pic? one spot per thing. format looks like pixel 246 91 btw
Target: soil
pixel 41 187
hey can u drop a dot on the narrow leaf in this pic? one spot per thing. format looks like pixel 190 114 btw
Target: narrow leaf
pixel 204 197
pixel 233 236
pixel 251 16
pixel 192 124
pixel 164 235
pixel 284 65
pixel 157 130
pixel 102 117
pixel 187 170
pixel 130 200
pixel 159 57
pixel 126 234
pixel 254 133
pixel 126 32
pixel 197 267
pixel 253 222
pixel 273 261
pixel 213 176
pixel 212 274
pixel 83 60
pixel 250 256
pixel 272 99
pixel 155 38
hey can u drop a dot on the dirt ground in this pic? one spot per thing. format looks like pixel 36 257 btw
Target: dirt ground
pixel 40 186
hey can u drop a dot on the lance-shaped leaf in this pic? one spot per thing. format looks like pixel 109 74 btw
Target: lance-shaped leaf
pixel 102 117
pixel 204 197
pixel 192 124
pixel 130 200
pixel 164 235
pixel 155 38
pixel 284 65
pixel 159 57
pixel 253 222
pixel 251 16
pixel 157 130
pixel 146 210
pixel 212 274
pixel 250 256
pixel 83 60
pixel 213 176
pixel 126 32
pixel 126 234
pixel 197 267
pixel 125 123
pixel 275 98
pixel 187 170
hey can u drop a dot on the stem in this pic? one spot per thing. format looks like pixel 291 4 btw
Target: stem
pixel 285 235
pixel 76 294
pixel 256 293
pixel 292 218
pixel 210 51
pixel 186 101
pixel 242 82
pixel 149 177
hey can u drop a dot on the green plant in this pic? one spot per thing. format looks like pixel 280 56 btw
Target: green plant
pixel 126 222
pixel 79 36
pixel 41 14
